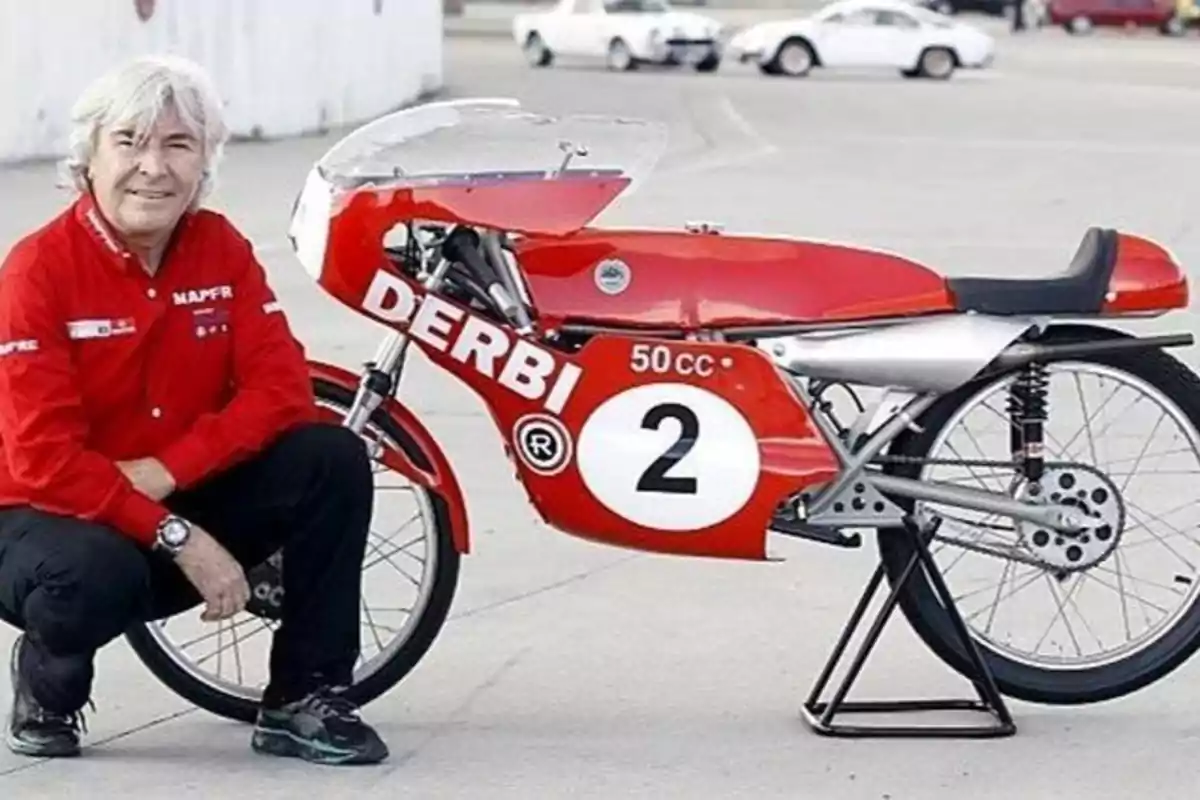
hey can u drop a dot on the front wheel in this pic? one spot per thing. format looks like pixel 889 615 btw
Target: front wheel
pixel 1079 26
pixel 411 598
pixel 1085 617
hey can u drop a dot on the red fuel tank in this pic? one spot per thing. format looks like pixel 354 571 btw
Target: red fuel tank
pixel 681 279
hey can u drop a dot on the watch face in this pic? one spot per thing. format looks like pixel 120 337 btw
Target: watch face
pixel 175 532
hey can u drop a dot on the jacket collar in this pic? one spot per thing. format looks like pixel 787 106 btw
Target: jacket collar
pixel 92 220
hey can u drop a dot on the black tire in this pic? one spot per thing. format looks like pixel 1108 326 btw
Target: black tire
pixel 1175 26
pixel 927 616
pixel 1079 25
pixel 537 54
pixel 710 63
pixel 388 674
pixel 776 65
pixel 937 63
pixel 614 62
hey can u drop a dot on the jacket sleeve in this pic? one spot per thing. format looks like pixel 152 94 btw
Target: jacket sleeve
pixel 272 390
pixel 42 420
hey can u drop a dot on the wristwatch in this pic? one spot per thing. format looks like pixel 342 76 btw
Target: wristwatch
pixel 172 534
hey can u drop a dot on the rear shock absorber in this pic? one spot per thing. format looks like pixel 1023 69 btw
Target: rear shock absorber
pixel 1027 412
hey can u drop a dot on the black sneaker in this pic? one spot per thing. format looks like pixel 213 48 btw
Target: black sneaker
pixel 323 727
pixel 33 730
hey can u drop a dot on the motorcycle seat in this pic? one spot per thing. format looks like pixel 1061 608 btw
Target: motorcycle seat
pixel 1080 289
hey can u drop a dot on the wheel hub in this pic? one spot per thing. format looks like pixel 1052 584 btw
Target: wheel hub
pixel 1096 500
pixel 939 63
pixel 795 58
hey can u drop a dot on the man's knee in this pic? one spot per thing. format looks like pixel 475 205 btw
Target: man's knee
pixel 330 450
pixel 91 584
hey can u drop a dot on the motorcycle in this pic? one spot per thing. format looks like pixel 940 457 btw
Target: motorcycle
pixel 668 391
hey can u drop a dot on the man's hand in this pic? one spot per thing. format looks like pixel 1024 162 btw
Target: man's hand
pixel 217 576
pixel 149 477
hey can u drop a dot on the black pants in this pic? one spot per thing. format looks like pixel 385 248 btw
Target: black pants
pixel 74 586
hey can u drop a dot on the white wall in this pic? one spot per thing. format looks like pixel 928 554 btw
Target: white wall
pixel 284 66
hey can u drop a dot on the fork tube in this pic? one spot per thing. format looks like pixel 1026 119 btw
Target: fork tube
pixel 382 374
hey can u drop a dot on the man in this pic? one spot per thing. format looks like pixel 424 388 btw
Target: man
pixel 158 432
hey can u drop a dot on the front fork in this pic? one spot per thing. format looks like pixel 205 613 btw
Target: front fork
pixel 379 381
pixel 383 372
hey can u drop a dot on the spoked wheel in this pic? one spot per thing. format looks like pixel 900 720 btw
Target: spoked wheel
pixel 1067 619
pixel 409 577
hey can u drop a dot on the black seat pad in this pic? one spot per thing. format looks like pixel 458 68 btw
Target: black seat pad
pixel 1078 290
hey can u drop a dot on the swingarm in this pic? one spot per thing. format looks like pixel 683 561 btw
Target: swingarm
pixel 863 496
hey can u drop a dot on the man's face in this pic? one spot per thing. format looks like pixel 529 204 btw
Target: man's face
pixel 144 186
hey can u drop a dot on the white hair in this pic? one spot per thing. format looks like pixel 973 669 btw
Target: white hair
pixel 135 94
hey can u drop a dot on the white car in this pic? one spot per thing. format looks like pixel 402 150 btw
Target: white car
pixel 865 33
pixel 625 33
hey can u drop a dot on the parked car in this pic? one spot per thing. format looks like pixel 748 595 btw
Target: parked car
pixel 625 33
pixel 1033 11
pixel 994 8
pixel 1081 16
pixel 865 33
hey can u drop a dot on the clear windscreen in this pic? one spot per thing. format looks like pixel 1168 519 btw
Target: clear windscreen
pixel 469 141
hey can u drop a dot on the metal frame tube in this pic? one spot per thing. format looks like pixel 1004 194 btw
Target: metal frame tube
pixel 1051 516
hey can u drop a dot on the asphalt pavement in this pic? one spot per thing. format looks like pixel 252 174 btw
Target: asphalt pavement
pixel 570 670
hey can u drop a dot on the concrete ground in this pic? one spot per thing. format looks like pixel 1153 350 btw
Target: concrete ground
pixel 569 670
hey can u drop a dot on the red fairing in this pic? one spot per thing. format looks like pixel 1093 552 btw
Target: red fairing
pixel 679 279
pixel 1146 279
pixel 743 442
pixel 573 421
pixel 439 477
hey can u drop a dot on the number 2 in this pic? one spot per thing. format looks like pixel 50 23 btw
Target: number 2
pixel 655 478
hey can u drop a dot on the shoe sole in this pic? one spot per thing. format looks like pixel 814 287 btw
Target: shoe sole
pixel 287 744
pixel 22 748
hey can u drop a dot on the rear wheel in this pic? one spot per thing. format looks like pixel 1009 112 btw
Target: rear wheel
pixel 620 57
pixel 937 63
pixel 399 630
pixel 1175 26
pixel 709 63
pixel 1107 612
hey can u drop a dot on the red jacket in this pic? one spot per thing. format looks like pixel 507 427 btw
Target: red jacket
pixel 99 362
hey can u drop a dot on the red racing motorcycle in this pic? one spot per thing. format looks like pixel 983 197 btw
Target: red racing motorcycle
pixel 695 393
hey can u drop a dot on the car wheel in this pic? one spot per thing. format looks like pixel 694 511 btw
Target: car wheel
pixel 709 63
pixel 536 52
pixel 1174 27
pixel 795 58
pixel 1079 25
pixel 619 57
pixel 937 63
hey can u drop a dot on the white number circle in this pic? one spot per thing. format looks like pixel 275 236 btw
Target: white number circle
pixel 669 456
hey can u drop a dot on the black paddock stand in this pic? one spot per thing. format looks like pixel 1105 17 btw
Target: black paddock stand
pixel 819 714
